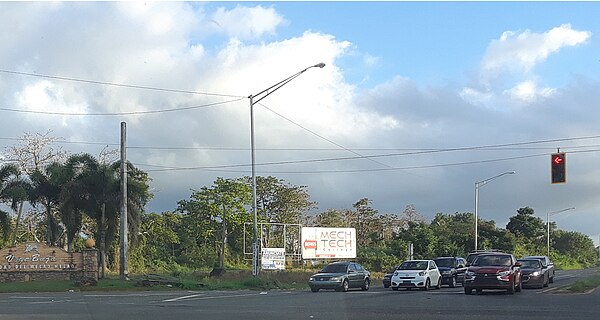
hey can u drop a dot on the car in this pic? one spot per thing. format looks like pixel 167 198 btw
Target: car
pixel 493 271
pixel 547 264
pixel 387 277
pixel 533 274
pixel 340 276
pixel 452 269
pixel 422 274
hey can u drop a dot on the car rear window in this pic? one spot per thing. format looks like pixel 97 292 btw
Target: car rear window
pixel 446 262
pixel 335 268
pixel 414 265
pixel 492 260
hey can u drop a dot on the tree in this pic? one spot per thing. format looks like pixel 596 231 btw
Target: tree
pixel 47 185
pixel 93 188
pixel 281 202
pixel 278 202
pixel 14 190
pixel 36 151
pixel 7 173
pixel 223 205
pixel 524 224
pixel 330 218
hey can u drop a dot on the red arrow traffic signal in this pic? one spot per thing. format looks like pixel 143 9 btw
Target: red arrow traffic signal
pixel 558 164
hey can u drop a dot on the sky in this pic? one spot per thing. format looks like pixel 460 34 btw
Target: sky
pixel 416 103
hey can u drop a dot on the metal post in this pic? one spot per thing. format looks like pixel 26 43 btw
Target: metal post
pixel 124 268
pixel 476 213
pixel 548 215
pixel 255 268
pixel 253 100
pixel 477 185
pixel 548 232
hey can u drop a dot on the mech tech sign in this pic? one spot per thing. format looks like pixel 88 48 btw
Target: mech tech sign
pixel 328 243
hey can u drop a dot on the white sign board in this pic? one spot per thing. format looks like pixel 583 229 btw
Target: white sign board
pixel 273 258
pixel 328 243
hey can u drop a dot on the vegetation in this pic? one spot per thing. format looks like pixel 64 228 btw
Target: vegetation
pixel 76 196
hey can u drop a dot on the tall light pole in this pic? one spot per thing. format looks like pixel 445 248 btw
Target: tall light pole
pixel 254 99
pixel 477 186
pixel 548 215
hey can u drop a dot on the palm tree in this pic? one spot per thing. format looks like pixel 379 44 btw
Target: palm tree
pixel 47 186
pixel 94 189
pixel 14 190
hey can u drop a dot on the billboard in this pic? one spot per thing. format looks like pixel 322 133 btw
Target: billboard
pixel 272 258
pixel 328 243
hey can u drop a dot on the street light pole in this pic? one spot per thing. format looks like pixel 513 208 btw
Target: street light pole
pixel 477 186
pixel 254 99
pixel 548 215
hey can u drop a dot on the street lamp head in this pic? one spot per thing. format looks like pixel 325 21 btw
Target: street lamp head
pixel 320 65
pixel 512 172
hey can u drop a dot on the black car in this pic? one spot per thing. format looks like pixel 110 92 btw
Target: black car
pixel 341 276
pixel 387 277
pixel 533 275
pixel 547 265
pixel 452 269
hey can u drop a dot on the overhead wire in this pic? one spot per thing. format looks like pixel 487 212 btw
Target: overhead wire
pixel 114 84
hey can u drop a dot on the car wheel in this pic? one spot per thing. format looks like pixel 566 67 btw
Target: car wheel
pixel 511 290
pixel 519 287
pixel 427 284
pixel 546 280
pixel 366 284
pixel 439 283
pixel 468 290
pixel 345 285
pixel 551 279
pixel 453 282
pixel 395 288
pixel 313 289
pixel 386 286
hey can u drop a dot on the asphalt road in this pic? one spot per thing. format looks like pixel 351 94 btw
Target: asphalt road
pixel 377 303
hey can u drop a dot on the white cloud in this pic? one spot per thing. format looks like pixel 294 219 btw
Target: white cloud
pixel 248 22
pixel 523 51
pixel 528 92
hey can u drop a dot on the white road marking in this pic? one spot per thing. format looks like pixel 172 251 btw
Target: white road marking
pixel 214 297
pixel 185 297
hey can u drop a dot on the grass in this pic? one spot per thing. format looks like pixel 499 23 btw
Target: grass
pixel 584 285
pixel 231 280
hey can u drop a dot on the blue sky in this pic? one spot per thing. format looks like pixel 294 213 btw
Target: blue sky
pixel 398 75
pixel 437 42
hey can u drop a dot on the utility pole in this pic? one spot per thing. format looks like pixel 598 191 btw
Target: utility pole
pixel 124 267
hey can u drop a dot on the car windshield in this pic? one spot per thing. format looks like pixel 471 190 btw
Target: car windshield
pixel 530 263
pixel 414 265
pixel 446 262
pixel 492 260
pixel 335 268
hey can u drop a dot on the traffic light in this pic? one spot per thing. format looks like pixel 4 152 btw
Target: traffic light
pixel 558 163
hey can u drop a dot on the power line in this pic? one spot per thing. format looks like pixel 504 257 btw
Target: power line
pixel 223 168
pixel 409 151
pixel 322 137
pixel 121 113
pixel 114 84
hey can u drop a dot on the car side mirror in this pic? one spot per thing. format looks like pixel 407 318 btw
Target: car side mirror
pixel 518 264
pixel 468 264
pixel 460 266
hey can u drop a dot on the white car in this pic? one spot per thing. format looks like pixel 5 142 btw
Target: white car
pixel 422 274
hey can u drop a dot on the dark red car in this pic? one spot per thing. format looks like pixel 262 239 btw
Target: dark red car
pixel 496 271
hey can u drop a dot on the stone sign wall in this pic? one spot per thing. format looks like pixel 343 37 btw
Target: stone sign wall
pixel 35 261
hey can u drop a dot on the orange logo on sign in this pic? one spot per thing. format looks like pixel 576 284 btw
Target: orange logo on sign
pixel 310 244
